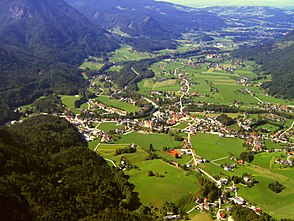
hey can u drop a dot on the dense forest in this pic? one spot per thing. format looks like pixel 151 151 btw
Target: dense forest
pixel 276 59
pixel 41 45
pixel 148 18
pixel 48 173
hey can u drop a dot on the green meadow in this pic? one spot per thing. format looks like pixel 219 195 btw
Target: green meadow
pixel 108 126
pixel 117 104
pixel 69 102
pixel 126 53
pixel 92 63
pixel 213 147
pixel 171 187
pixel 144 140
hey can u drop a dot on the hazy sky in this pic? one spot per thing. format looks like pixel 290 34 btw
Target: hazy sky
pixel 202 3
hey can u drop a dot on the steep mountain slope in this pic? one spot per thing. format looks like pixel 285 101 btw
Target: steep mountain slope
pixel 48 28
pixel 49 174
pixel 277 59
pixel 40 43
pixel 147 17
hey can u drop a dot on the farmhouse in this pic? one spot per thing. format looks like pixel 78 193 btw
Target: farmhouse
pixel 175 153
pixel 238 200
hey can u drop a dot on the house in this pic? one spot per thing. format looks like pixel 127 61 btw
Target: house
pixel 278 160
pixel 175 153
pixel 238 200
pixel 241 162
pixel 224 181
pixel 258 210
pixel 222 216
pixel 246 179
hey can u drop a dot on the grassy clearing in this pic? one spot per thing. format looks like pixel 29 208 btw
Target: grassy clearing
pixel 182 125
pixel 150 85
pixel 213 147
pixel 117 104
pixel 108 126
pixel 199 216
pixel 69 102
pixel 174 184
pixel 92 63
pixel 201 114
pixel 144 140
pixel 276 204
pixel 271 146
pixel 126 53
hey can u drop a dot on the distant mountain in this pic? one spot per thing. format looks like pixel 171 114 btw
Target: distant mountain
pixel 41 41
pixel 147 17
pixel 276 58
pixel 50 28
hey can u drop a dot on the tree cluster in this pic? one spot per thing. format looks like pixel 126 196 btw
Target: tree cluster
pixel 48 173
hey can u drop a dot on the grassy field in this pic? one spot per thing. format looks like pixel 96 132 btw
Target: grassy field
pixel 213 147
pixel 264 171
pixel 92 144
pixel 108 126
pixel 182 125
pixel 204 79
pixel 173 186
pixel 144 140
pixel 276 204
pixel 69 102
pixel 271 146
pixel 151 85
pixel 92 63
pixel 126 53
pixel 117 104
pixel 199 216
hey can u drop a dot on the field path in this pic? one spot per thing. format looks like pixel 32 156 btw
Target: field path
pixel 110 162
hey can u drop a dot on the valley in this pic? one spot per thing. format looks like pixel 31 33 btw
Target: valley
pixel 185 118
pixel 201 113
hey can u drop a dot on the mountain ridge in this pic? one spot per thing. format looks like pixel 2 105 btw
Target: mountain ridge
pixel 42 44
pixel 173 19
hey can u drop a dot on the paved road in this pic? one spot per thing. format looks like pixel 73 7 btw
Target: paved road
pixel 152 102
pixel 183 95
pixel 137 73
pixel 287 129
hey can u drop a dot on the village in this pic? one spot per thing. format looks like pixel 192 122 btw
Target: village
pixel 182 103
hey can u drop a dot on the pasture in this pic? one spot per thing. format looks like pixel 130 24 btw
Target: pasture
pixel 92 63
pixel 213 147
pixel 171 187
pixel 144 140
pixel 276 204
pixel 108 126
pixel 117 104
pixel 126 53
pixel 69 102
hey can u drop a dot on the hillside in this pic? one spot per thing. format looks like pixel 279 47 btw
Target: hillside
pixel 147 17
pixel 276 58
pixel 59 179
pixel 41 42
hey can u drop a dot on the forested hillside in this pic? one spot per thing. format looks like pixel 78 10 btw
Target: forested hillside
pixel 41 44
pixel 147 17
pixel 276 58
pixel 48 173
